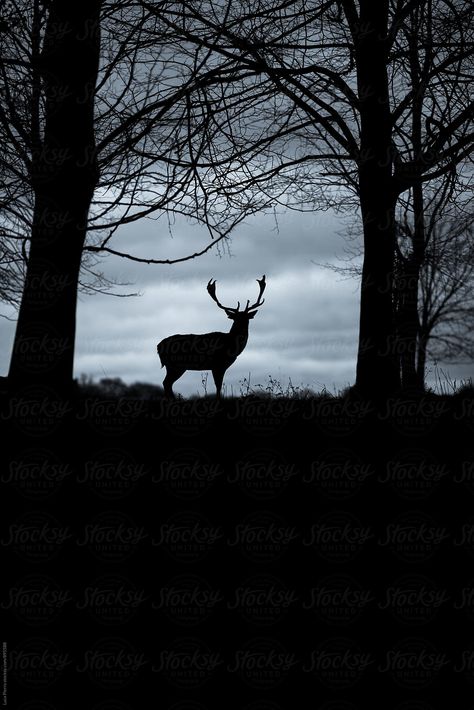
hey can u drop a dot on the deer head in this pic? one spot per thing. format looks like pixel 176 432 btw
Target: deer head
pixel 236 314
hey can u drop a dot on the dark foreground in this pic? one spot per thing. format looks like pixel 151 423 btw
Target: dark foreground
pixel 243 554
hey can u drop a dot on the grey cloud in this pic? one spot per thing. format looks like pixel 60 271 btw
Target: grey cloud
pixel 255 248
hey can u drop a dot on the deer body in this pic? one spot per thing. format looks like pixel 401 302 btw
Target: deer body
pixel 207 351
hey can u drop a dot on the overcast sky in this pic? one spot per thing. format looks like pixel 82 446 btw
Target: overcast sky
pixel 306 330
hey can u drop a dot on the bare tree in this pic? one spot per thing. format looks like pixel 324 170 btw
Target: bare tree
pixel 444 280
pixel 446 296
pixel 51 151
pixel 433 103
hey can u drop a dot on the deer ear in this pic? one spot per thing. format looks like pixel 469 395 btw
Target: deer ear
pixel 252 315
pixel 231 316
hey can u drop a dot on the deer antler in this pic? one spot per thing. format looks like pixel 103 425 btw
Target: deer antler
pixel 259 302
pixel 211 288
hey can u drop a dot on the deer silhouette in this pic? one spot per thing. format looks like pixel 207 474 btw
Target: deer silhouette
pixel 208 351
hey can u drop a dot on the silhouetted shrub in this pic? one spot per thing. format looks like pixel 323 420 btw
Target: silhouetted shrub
pixel 116 388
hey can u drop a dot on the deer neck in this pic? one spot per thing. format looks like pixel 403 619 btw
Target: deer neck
pixel 239 334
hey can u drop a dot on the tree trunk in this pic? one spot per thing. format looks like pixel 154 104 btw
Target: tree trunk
pixel 377 362
pixel 409 324
pixel 421 361
pixel 377 368
pixel 409 320
pixel 64 175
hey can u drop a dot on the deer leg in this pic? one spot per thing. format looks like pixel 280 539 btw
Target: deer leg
pixel 218 376
pixel 172 374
